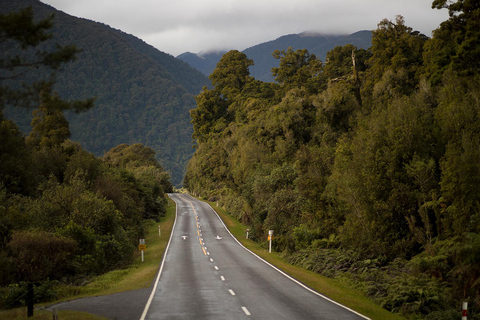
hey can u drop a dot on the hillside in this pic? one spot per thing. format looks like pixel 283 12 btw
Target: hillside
pixel 261 54
pixel 205 62
pixel 142 94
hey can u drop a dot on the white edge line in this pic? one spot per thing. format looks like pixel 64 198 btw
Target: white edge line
pixel 149 302
pixel 283 273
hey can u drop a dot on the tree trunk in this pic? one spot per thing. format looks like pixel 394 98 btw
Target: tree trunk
pixel 30 299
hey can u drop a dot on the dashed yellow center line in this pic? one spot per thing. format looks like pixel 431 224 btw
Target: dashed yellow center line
pixel 198 229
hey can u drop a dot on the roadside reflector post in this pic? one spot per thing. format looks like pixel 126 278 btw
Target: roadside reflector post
pixel 159 231
pixel 142 247
pixel 464 310
pixel 248 230
pixel 270 236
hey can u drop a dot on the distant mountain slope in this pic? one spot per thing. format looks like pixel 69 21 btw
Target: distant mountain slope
pixel 143 95
pixel 261 54
pixel 205 62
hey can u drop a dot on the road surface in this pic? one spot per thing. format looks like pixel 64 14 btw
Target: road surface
pixel 207 274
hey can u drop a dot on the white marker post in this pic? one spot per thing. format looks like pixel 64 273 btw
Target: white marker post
pixel 247 232
pixel 159 231
pixel 270 236
pixel 464 310
pixel 142 246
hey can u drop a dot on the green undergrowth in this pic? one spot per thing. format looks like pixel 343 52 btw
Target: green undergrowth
pixel 394 286
pixel 137 276
pixel 337 290
pixel 140 274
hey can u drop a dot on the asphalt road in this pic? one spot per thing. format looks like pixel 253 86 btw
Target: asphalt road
pixel 207 274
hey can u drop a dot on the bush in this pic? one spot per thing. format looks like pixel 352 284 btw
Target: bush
pixel 15 295
pixel 39 255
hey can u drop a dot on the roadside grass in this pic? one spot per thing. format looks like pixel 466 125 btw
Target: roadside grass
pixel 339 292
pixel 137 276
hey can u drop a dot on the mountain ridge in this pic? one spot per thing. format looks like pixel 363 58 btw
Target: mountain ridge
pixel 261 54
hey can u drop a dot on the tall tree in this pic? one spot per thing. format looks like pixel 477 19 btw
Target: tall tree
pixel 231 74
pixel 456 43
pixel 49 126
pixel 16 172
pixel 395 66
pixel 298 69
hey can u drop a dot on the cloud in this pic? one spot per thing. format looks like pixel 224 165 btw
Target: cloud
pixel 192 25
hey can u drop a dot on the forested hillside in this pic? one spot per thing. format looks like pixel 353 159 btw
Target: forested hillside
pixel 142 95
pixel 65 215
pixel 366 167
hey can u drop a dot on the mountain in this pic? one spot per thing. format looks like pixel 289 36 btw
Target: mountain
pixel 261 54
pixel 142 94
pixel 205 62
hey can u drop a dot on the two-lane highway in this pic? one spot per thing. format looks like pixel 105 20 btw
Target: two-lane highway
pixel 207 274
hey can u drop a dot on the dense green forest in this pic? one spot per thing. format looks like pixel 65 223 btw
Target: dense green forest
pixel 142 94
pixel 65 214
pixel 366 166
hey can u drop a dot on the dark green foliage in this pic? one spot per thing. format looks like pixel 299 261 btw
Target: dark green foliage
pixel 456 42
pixel 297 69
pixel 366 167
pixel 38 255
pixel 15 295
pixel 142 95
pixel 64 213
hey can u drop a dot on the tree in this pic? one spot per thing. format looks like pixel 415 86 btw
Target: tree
pixel 231 74
pixel 211 108
pixel 396 63
pixel 16 170
pixel 49 126
pixel 40 255
pixel 456 43
pixel 138 164
pixel 298 69
pixel 217 107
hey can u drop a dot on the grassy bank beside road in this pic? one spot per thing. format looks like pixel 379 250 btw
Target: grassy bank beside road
pixel 332 289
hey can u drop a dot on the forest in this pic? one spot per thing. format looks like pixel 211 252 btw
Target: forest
pixel 142 95
pixel 366 165
pixel 65 214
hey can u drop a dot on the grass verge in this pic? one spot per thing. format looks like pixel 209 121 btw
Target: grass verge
pixel 353 299
pixel 139 275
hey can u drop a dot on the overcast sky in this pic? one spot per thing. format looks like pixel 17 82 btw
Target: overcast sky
pixel 177 26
